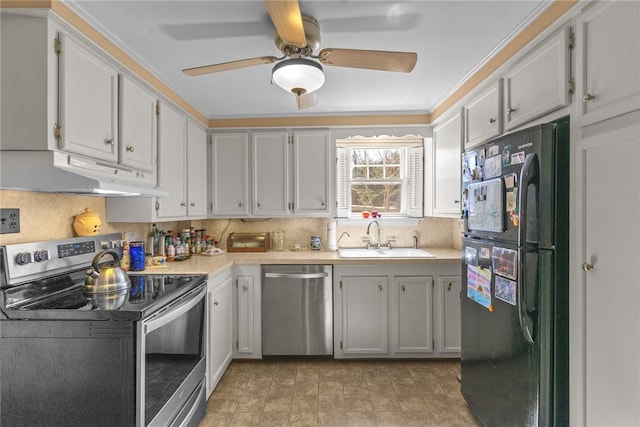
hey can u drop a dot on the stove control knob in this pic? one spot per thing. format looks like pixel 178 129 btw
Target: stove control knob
pixel 41 255
pixel 116 243
pixel 107 244
pixel 24 258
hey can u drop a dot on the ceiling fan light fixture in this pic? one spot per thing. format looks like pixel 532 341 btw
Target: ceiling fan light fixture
pixel 298 74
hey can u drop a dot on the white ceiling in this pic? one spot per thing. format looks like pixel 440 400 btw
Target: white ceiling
pixel 452 38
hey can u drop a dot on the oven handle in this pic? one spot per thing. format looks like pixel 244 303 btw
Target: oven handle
pixel 297 275
pixel 173 313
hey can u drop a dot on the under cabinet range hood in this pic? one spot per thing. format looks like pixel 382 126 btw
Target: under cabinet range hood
pixel 58 172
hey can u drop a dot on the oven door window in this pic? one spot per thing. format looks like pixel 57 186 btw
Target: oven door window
pixel 173 349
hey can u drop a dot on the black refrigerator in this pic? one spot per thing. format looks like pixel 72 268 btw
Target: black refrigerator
pixel 515 270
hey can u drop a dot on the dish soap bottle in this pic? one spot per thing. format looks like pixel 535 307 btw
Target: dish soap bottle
pixel 125 263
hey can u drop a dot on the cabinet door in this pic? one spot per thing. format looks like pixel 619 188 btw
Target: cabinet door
pixel 483 116
pixel 196 171
pixel 609 276
pixel 230 174
pixel 220 324
pixel 447 151
pixel 172 162
pixel 609 38
pixel 88 100
pixel 449 340
pixel 312 172
pixel 413 314
pixel 538 84
pixel 365 314
pixel 270 173
pixel 245 314
pixel 138 126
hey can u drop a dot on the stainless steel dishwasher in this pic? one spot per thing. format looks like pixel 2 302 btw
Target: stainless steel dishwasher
pixel 297 310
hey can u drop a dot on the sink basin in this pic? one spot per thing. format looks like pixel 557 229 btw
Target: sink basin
pixel 384 253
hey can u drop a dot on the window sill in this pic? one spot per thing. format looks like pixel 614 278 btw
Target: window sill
pixel 383 221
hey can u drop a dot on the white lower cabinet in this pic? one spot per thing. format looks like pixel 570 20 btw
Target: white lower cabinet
pixel 449 321
pixel 412 314
pixel 247 320
pixel 365 314
pixel 219 327
pixel 391 311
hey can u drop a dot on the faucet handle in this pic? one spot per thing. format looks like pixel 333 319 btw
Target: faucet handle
pixel 390 241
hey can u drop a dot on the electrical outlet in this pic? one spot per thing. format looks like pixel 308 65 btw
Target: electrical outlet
pixel 9 221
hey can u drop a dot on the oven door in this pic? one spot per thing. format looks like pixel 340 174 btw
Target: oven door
pixel 171 362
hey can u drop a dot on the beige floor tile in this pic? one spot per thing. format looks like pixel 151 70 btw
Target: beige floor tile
pixel 358 403
pixel 304 403
pixel 222 404
pixel 355 387
pixel 251 403
pixel 385 403
pixel 330 374
pixel 274 419
pixel 361 419
pixel 391 419
pixel 429 387
pixel 334 419
pixel 218 419
pixel 258 387
pixel 307 375
pixel 330 387
pixel 380 387
pixel 279 403
pixel 303 419
pixel 331 403
pixel 440 403
pixel 404 387
pixel 281 387
pixel 305 388
pixel 399 374
pixel 419 419
pixel 413 403
pixel 246 419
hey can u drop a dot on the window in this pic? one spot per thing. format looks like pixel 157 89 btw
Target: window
pixel 381 176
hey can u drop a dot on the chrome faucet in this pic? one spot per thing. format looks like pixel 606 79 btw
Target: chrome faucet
pixel 341 236
pixel 378 243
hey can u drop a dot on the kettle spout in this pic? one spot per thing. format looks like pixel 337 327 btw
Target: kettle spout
pixel 93 273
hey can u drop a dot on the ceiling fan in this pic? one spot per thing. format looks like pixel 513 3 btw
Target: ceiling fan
pixel 298 72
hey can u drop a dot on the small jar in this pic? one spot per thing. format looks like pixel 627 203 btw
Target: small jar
pixel 278 240
pixel 136 254
pixel 316 243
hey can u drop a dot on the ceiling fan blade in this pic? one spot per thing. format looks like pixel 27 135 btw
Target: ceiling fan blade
pixel 232 65
pixel 306 100
pixel 381 60
pixel 287 20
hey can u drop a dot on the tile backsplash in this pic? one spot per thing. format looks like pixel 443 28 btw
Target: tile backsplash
pixel 47 216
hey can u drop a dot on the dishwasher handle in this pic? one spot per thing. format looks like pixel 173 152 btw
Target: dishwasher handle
pixel 320 275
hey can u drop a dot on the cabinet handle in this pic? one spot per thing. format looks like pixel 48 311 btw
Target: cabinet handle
pixel 216 303
pixel 402 288
pixel 455 202
pixel 449 286
pixel 379 288
pixel 244 288
pixel 588 97
pixel 193 204
pixel 258 204
pixel 321 203
pixel 183 204
pixel 130 148
pixel 239 205
pixel 110 141
pixel 587 267
pixel 511 110
pixel 492 120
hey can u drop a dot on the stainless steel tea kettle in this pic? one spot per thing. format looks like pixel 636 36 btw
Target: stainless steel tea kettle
pixel 107 286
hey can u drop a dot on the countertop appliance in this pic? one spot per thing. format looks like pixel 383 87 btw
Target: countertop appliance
pixel 297 310
pixel 515 310
pixel 65 361
pixel 249 242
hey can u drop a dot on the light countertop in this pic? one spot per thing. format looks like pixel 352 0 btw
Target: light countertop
pixel 201 264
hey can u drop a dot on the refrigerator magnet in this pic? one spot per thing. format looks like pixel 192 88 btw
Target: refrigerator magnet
pixel 471 255
pixel 506 155
pixel 511 200
pixel 479 285
pixel 510 181
pixel 493 150
pixel 485 253
pixel 517 158
pixel 492 167
pixel 505 262
pixel 505 290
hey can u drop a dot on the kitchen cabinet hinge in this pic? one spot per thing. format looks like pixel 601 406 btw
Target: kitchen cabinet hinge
pixel 57 131
pixel 157 205
pixel 237 345
pixel 57 46
pixel 571 88
pixel 157 108
pixel 340 284
pixel 433 344
pixel 340 345
pixel 572 39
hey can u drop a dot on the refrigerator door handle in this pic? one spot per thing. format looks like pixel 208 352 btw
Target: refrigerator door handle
pixel 530 174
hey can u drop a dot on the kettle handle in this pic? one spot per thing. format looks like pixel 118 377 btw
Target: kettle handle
pixel 114 255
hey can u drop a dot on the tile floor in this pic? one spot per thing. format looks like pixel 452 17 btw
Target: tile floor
pixel 306 392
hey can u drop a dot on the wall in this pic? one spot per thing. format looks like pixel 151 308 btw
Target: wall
pixel 45 216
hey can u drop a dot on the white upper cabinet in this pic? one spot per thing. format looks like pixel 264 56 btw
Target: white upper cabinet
pixel 447 151
pixel 609 42
pixel 196 174
pixel 138 125
pixel 172 139
pixel 88 100
pixel 483 116
pixel 271 162
pixel 229 174
pixel 312 160
pixel 539 82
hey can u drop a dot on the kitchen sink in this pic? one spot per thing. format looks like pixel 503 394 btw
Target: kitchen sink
pixel 383 253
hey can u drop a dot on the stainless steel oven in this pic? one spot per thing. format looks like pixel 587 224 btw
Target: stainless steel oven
pixel 64 361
